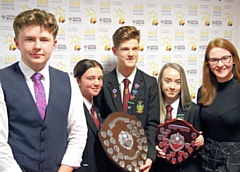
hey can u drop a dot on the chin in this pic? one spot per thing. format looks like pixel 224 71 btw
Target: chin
pixel 95 94
pixel 131 65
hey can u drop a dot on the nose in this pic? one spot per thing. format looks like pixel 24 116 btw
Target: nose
pixel 97 82
pixel 220 63
pixel 130 53
pixel 37 44
pixel 172 85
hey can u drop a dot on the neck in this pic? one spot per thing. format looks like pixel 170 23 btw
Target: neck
pixel 126 72
pixel 170 100
pixel 221 80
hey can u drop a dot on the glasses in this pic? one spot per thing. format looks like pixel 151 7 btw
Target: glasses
pixel 224 60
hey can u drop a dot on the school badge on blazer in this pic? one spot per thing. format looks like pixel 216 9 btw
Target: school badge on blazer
pixel 124 141
pixel 176 138
pixel 140 107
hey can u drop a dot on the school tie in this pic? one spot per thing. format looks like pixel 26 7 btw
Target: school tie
pixel 95 117
pixel 39 94
pixel 169 112
pixel 126 94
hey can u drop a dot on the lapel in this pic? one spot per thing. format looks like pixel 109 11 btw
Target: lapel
pixel 181 111
pixel 114 91
pixel 136 90
pixel 90 121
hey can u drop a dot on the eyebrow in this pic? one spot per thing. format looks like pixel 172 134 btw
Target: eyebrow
pixel 172 79
pixel 220 57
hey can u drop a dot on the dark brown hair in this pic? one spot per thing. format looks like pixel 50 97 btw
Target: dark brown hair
pixel 83 65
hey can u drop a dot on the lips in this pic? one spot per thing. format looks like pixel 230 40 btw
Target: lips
pixel 36 55
pixel 95 89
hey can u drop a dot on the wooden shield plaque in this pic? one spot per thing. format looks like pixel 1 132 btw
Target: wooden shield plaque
pixel 177 139
pixel 124 141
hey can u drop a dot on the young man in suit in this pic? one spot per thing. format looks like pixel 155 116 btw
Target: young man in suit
pixel 42 126
pixel 143 101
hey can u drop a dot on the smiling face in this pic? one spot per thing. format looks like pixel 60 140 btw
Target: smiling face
pixel 91 82
pixel 223 71
pixel 127 56
pixel 171 84
pixel 36 45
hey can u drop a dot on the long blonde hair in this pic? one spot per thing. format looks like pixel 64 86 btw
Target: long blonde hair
pixel 184 93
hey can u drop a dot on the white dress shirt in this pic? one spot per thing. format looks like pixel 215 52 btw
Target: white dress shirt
pixel 120 78
pixel 88 104
pixel 77 127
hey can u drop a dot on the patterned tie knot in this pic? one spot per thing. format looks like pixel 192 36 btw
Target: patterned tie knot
pixel 126 82
pixel 169 108
pixel 37 77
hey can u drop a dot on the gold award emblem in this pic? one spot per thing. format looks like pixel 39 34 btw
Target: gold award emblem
pixel 140 107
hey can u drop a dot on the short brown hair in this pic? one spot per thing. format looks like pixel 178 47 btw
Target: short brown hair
pixel 125 33
pixel 35 17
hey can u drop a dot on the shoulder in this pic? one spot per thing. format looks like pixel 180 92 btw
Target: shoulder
pixel 145 76
pixel 8 68
pixel 10 71
pixel 110 74
pixel 55 70
pixel 193 107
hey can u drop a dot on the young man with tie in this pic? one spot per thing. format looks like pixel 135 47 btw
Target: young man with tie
pixel 127 82
pixel 42 126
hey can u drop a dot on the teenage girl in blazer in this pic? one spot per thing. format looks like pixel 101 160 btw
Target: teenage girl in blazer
pixel 89 75
pixel 173 90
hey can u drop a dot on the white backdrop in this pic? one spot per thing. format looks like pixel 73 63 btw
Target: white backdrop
pixel 171 31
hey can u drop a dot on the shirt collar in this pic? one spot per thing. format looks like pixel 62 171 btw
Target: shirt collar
pixel 28 72
pixel 121 77
pixel 174 104
pixel 87 103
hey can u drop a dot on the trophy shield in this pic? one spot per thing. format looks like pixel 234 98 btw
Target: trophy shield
pixel 124 140
pixel 176 138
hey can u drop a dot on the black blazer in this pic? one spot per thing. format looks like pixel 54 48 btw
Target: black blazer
pixel 94 157
pixel 144 92
pixel 192 164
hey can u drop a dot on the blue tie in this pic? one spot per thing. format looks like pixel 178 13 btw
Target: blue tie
pixel 39 94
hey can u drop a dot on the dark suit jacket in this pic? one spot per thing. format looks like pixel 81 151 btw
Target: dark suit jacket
pixel 94 157
pixel 144 94
pixel 192 164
